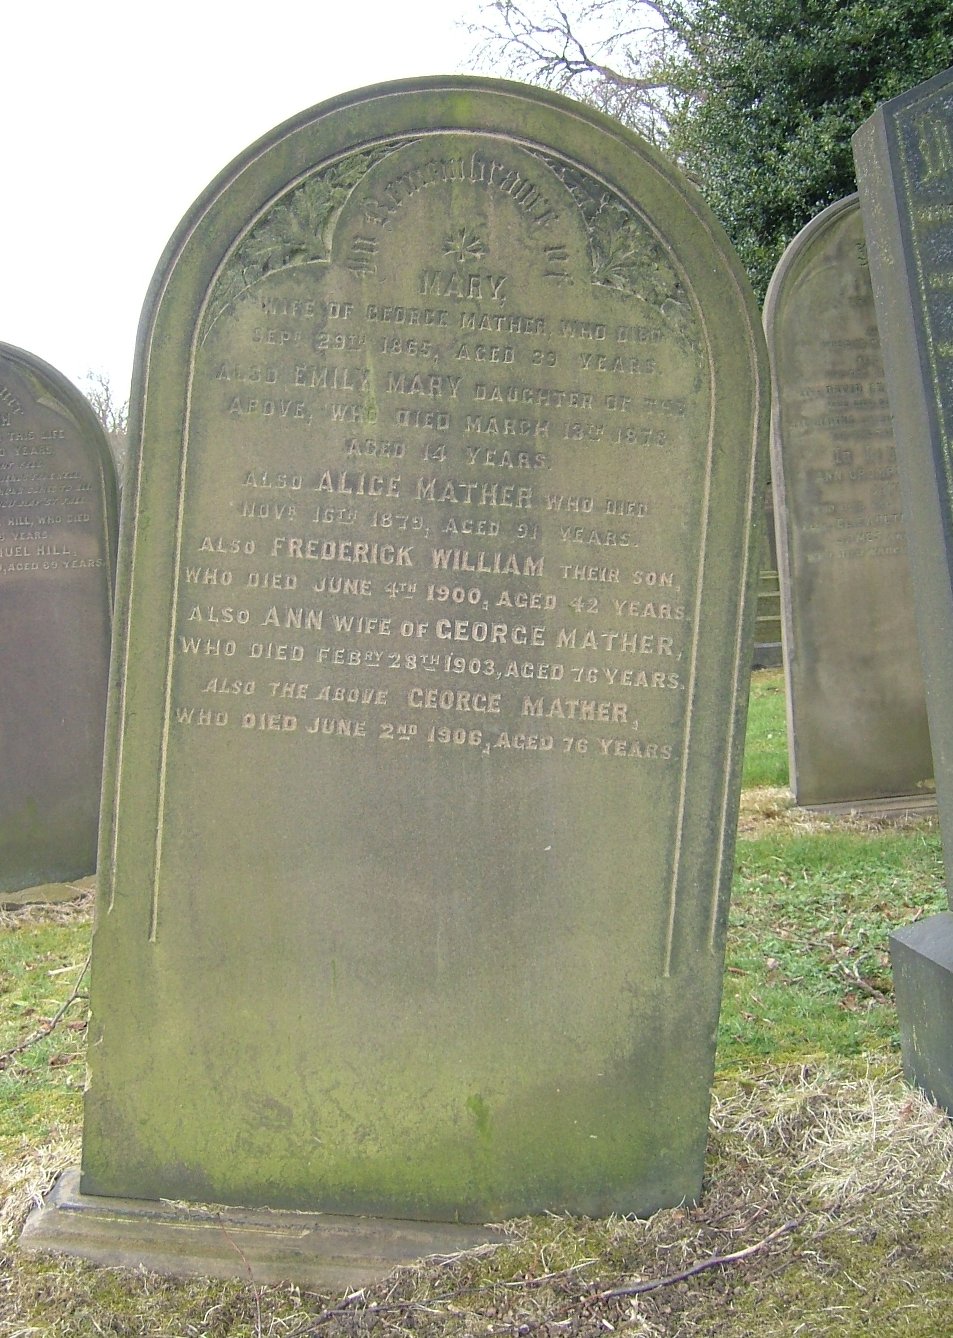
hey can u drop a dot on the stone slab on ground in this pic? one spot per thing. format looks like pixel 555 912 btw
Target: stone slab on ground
pixel 47 893
pixel 263 1246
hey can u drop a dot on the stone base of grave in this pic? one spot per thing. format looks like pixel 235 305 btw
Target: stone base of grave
pixel 254 1245
pixel 47 893
pixel 896 807
pixel 767 655
pixel 922 959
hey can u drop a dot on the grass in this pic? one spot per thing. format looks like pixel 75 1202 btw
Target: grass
pixel 829 1187
pixel 807 967
pixel 766 757
pixel 43 957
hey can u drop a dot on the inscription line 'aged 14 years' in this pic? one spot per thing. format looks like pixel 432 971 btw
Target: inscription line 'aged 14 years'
pixel 58 523
pixel 904 157
pixel 435 636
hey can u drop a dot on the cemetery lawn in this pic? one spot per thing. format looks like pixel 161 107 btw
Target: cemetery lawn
pixel 766 752
pixel 828 1207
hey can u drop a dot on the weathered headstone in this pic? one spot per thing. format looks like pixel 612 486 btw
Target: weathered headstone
pixel 904 157
pixel 436 626
pixel 57 558
pixel 857 722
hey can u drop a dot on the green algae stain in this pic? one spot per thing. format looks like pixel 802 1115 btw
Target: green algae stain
pixel 481 1115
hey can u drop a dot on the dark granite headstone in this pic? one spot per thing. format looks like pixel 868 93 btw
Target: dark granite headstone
pixel 922 959
pixel 857 723
pixel 436 624
pixel 904 157
pixel 57 558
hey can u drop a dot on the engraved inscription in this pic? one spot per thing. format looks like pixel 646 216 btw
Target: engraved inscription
pixel 841 471
pixel 413 528
pixel 50 497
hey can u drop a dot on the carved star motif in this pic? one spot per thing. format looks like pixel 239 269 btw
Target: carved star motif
pixel 463 246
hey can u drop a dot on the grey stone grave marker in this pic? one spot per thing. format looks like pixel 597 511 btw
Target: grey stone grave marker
pixel 436 628
pixel 904 157
pixel 57 559
pixel 857 722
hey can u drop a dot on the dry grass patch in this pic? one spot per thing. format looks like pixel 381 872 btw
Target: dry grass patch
pixel 77 910
pixel 828 1204
pixel 25 1178
pixel 828 1210
pixel 770 809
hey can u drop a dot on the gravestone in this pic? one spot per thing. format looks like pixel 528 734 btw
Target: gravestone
pixel 857 723
pixel 904 158
pixel 437 614
pixel 57 559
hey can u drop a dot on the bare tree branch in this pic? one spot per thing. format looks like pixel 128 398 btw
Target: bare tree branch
pixel 624 56
pixel 8 1056
pixel 703 1266
pixel 112 412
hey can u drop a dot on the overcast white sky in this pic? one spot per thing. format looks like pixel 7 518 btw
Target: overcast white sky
pixel 116 114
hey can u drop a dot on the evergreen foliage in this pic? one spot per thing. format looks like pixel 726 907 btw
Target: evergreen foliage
pixel 785 84
pixel 756 99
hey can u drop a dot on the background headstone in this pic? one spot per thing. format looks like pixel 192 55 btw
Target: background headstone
pixel 904 157
pixel 767 636
pixel 57 557
pixel 857 723
pixel 436 623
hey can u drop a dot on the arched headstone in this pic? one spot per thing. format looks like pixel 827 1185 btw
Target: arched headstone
pixel 436 625
pixel 58 521
pixel 857 722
